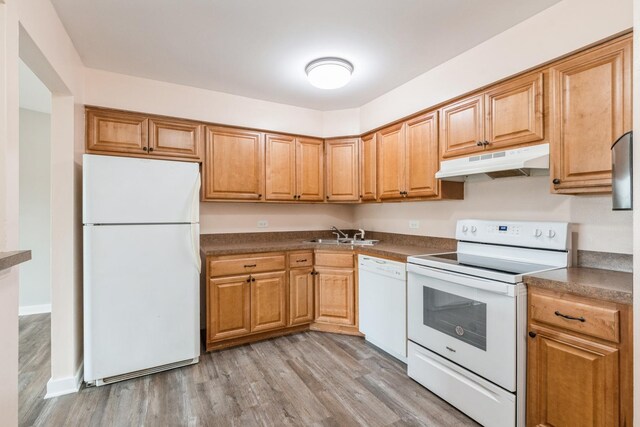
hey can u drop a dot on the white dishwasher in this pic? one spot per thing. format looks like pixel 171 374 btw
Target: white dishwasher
pixel 383 304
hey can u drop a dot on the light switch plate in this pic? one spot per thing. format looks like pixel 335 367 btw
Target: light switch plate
pixel 414 224
pixel 263 223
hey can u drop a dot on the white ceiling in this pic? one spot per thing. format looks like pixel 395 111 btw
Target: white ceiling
pixel 259 48
pixel 33 94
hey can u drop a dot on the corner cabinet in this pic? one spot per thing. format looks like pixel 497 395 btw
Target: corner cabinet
pixel 591 108
pixel 342 162
pixel 579 366
pixel 130 134
pixel 233 166
pixel 368 168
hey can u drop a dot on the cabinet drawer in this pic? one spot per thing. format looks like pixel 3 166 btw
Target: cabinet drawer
pixel 301 259
pixel 588 319
pixel 246 265
pixel 334 259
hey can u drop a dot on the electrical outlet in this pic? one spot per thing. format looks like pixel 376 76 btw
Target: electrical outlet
pixel 414 224
pixel 263 223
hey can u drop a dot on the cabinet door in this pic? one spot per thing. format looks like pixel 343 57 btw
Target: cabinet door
pixel 310 169
pixel 421 156
pixel 368 167
pixel 571 382
pixel 462 127
pixel 391 162
pixel 117 132
pixel 229 308
pixel 268 301
pixel 514 112
pixel 176 138
pixel 233 164
pixel 300 296
pixel 280 167
pixel 342 170
pixel 591 108
pixel 335 296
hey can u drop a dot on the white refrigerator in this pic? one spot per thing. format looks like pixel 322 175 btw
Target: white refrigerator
pixel 141 266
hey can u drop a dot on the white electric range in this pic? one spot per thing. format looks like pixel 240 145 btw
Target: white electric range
pixel 467 314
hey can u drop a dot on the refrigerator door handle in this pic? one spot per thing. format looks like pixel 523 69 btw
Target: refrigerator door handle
pixel 195 200
pixel 195 238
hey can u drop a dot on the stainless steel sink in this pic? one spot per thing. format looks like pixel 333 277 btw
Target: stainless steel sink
pixel 343 241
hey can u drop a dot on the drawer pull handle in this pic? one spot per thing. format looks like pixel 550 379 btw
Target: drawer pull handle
pixel 579 319
pixel 301 260
pixel 249 265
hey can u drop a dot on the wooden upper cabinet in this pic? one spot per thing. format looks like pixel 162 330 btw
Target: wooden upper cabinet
pixel 421 156
pixel 391 157
pixel 176 138
pixel 229 309
pixel 591 108
pixel 310 169
pixel 280 182
pixel 300 296
pixel 571 382
pixel 294 168
pixel 514 112
pixel 368 161
pixel 117 132
pixel 462 127
pixel 268 301
pixel 233 167
pixel 342 170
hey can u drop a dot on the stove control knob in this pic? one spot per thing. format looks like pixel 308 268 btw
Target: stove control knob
pixel 537 232
pixel 473 229
pixel 551 234
pixel 465 228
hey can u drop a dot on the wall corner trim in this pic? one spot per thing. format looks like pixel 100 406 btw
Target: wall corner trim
pixel 67 385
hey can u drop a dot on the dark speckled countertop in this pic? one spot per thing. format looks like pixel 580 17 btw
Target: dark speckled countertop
pixel 397 246
pixel 9 259
pixel 615 286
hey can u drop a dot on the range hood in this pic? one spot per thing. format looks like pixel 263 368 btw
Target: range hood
pixel 499 164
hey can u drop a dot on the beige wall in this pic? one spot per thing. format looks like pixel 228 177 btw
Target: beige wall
pixel 35 209
pixel 522 198
pixel 9 149
pixel 243 217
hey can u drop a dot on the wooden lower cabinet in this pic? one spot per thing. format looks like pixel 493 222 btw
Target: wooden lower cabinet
pixel 335 296
pixel 268 301
pixel 228 309
pixel 573 382
pixel 301 296
pixel 579 372
pixel 250 297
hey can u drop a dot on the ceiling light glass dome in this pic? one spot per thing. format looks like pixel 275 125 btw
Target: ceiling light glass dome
pixel 329 73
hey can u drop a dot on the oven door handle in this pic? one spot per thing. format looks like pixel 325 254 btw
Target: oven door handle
pixel 464 280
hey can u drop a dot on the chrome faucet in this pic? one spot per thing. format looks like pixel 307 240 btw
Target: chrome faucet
pixel 339 232
pixel 359 233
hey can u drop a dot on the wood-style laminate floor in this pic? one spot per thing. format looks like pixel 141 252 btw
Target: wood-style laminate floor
pixel 311 378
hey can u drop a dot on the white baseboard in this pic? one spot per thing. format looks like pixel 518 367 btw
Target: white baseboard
pixel 68 385
pixel 26 310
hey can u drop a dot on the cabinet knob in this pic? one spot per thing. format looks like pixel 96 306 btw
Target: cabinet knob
pixel 485 143
pixel 556 181
pixel 295 197
pixel 479 144
pixel 532 334
pixel 361 196
pixel 259 196
pixel 327 197
pixel 150 149
pixel 144 148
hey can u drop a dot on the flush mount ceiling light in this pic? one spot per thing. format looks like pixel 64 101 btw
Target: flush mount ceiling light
pixel 329 73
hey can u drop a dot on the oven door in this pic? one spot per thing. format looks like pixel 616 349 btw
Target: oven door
pixel 468 320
